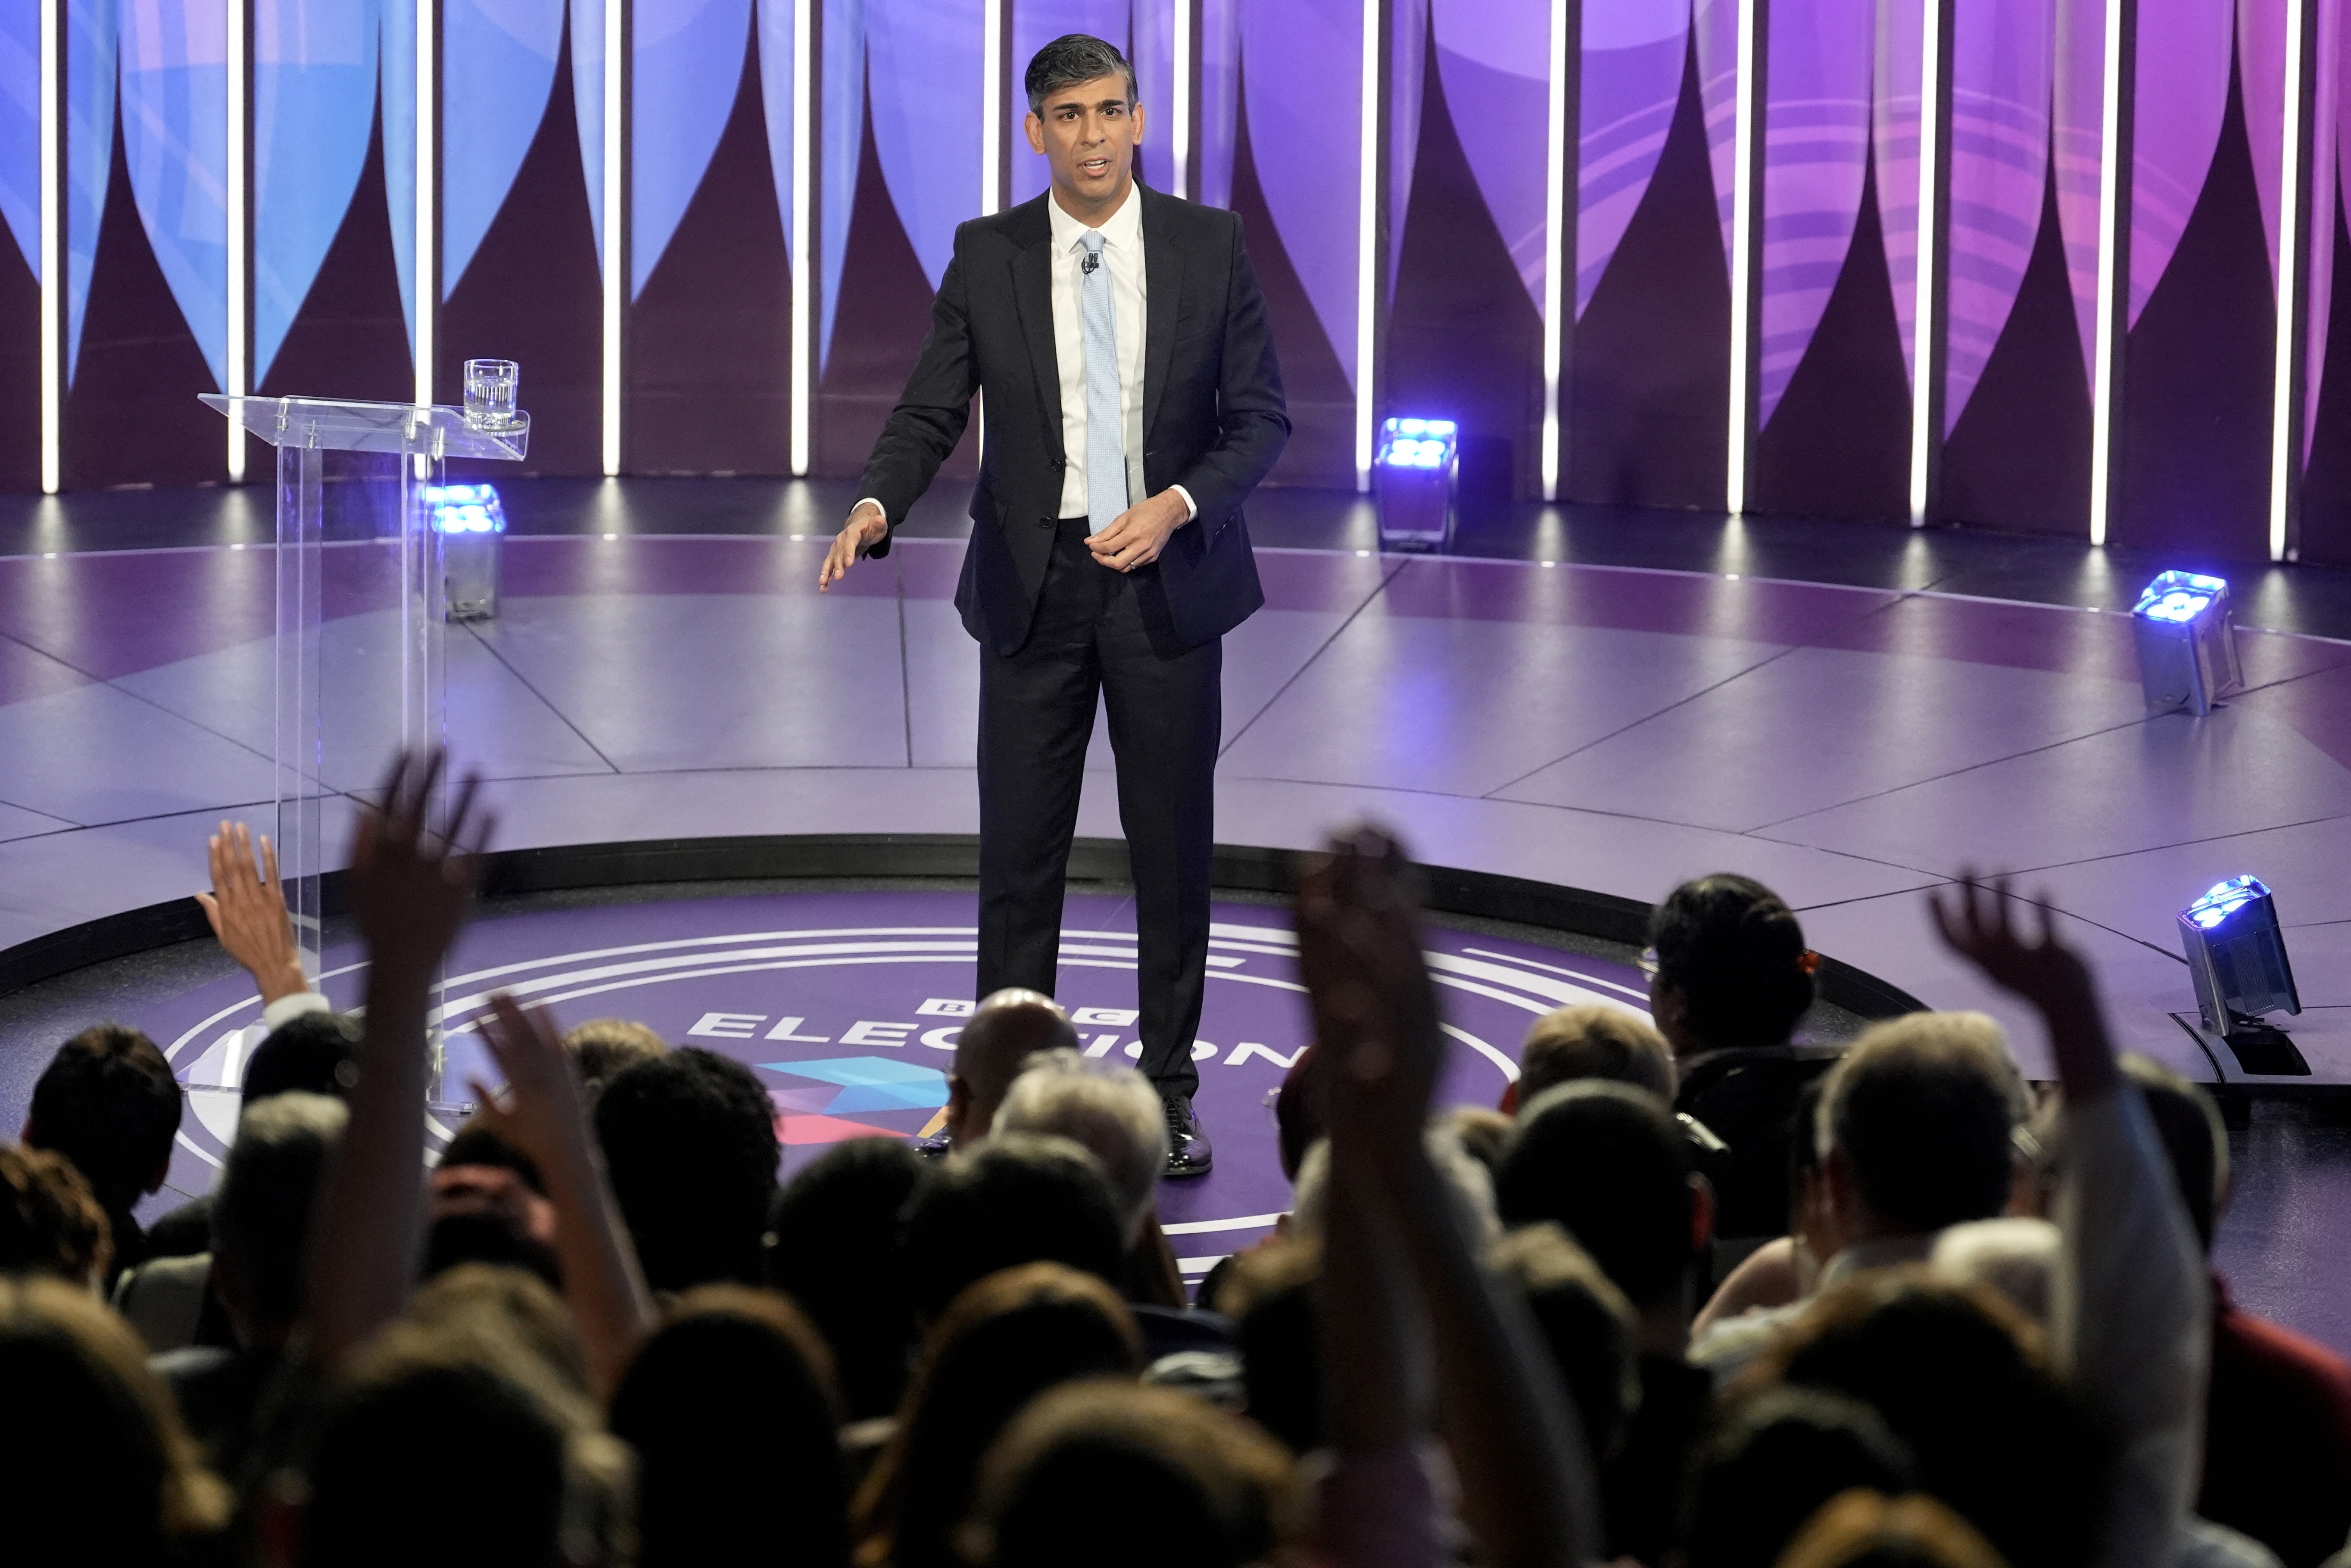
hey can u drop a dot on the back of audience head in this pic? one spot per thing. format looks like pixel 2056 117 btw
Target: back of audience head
pixel 108 1102
pixel 1483 1135
pixel 1114 1114
pixel 462 1416
pixel 2195 1139
pixel 1732 968
pixel 607 1047
pixel 1085 1463
pixel 1468 1180
pixel 1868 1529
pixel 731 1410
pixel 311 1053
pixel 261 1210
pixel 1003 1031
pixel 1587 1323
pixel 1775 1459
pixel 95 1467
pixel 1005 1340
pixel 515 1309
pixel 50 1223
pixel 837 1254
pixel 689 1142
pixel 1593 1040
pixel 1020 1197
pixel 1960 1376
pixel 1609 1164
pixel 489 1205
pixel 1917 1124
pixel 1269 1295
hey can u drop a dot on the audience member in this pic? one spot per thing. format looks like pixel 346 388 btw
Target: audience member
pixel 836 1254
pixel 1591 1040
pixel 607 1047
pixel 2277 1433
pixel 1003 1031
pixel 1914 1126
pixel 1089 1463
pixel 1866 1529
pixel 1608 1162
pixel 689 1141
pixel 1112 1112
pixel 95 1467
pixel 731 1410
pixel 1019 1198
pixel 50 1222
pixel 1007 1339
pixel 1269 1295
pixel 489 1205
pixel 1787 1267
pixel 1480 1134
pixel 1771 1462
pixel 1587 1325
pixel 1733 979
pixel 261 1223
pixel 108 1102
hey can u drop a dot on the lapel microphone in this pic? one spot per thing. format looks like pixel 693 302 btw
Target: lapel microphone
pixel 1092 260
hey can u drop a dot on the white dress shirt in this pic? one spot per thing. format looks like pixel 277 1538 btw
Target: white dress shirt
pixel 1130 294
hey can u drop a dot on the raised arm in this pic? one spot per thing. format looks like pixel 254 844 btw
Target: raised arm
pixel 411 891
pixel 921 432
pixel 1527 1487
pixel 2132 1318
pixel 545 1116
pixel 246 910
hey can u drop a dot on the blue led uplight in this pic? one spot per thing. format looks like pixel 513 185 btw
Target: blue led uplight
pixel 1416 443
pixel 2224 899
pixel 2179 597
pixel 464 509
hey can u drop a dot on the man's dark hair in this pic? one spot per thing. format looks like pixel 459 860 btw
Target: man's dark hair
pixel 1773 1461
pixel 690 1143
pixel 1071 58
pixel 475 1144
pixel 836 1254
pixel 1016 1199
pixel 1923 1110
pixel 2195 1138
pixel 312 1053
pixel 108 1102
pixel 1609 1164
pixel 1734 950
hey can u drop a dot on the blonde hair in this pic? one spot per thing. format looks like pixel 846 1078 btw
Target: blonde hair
pixel 1595 1040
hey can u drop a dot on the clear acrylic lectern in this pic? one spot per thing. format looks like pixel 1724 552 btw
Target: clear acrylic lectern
pixel 361 610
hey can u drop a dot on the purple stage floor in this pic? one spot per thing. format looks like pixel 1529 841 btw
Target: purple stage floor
pixel 1609 728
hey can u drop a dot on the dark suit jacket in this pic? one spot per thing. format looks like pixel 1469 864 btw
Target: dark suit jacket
pixel 1213 418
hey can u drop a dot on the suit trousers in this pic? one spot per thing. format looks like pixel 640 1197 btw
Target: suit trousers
pixel 1092 635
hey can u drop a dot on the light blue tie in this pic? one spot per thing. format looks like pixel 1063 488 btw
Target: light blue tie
pixel 1105 424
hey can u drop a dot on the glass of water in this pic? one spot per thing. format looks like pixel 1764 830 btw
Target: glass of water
pixel 490 394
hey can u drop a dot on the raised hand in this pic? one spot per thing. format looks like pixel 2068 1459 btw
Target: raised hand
pixel 542 1115
pixel 866 527
pixel 1375 1008
pixel 1979 921
pixel 247 909
pixel 411 887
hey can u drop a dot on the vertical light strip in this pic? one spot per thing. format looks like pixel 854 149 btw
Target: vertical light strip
pixel 1554 247
pixel 1742 249
pixel 239 263
pixel 53 271
pixel 991 107
pixel 804 258
pixel 616 217
pixel 2103 390
pixel 1925 363
pixel 427 179
pixel 1367 241
pixel 1179 95
pixel 2285 437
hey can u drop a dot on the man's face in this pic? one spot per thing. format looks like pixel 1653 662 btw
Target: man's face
pixel 1088 133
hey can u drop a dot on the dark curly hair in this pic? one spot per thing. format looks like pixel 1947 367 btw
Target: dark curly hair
pixel 108 1102
pixel 1734 950
pixel 690 1143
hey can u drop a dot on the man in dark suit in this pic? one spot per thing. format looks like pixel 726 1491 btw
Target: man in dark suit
pixel 1132 402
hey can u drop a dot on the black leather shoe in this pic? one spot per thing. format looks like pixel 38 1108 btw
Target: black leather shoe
pixel 1189 1152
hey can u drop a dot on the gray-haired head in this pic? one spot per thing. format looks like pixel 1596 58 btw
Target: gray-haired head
pixel 261 1210
pixel 1071 58
pixel 1113 1112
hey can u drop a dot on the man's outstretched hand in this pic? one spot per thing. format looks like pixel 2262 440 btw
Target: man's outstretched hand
pixel 1983 923
pixel 247 908
pixel 866 527
pixel 410 886
pixel 1136 536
